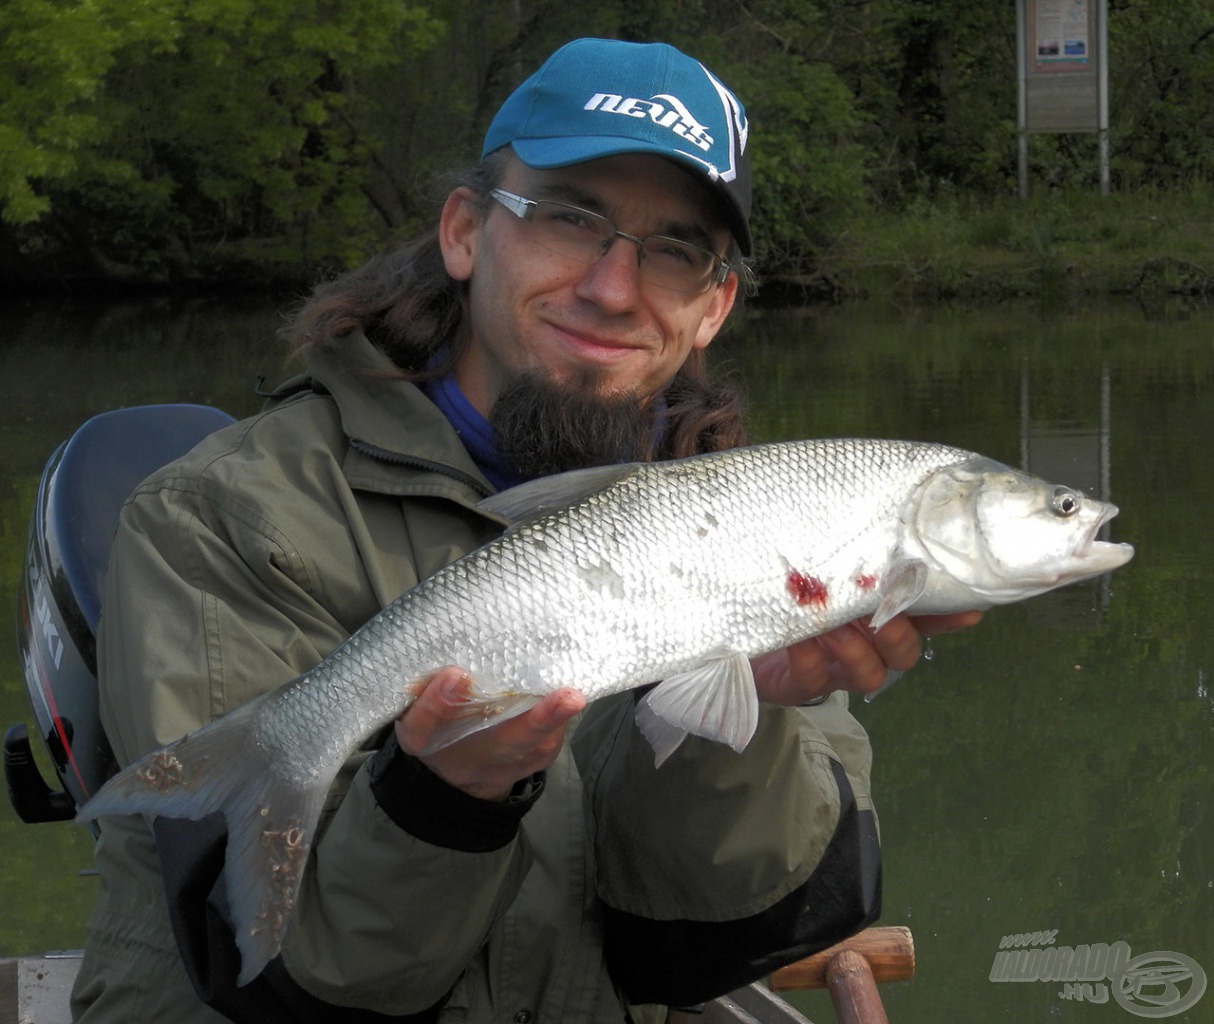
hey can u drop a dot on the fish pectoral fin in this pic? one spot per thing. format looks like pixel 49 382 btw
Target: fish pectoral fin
pixel 902 586
pixel 716 700
pixel 481 712
pixel 536 497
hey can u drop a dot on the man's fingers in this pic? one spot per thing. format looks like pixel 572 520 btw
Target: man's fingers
pixel 857 664
pixel 552 712
pixel 898 643
pixel 439 701
pixel 485 763
pixel 862 658
pixel 534 738
pixel 808 670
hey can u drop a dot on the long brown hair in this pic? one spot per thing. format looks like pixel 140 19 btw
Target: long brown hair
pixel 409 307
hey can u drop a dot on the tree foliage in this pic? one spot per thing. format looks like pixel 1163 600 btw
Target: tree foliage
pixel 53 60
pixel 168 139
pixel 180 128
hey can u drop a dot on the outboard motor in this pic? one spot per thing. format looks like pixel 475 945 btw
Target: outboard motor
pixel 83 487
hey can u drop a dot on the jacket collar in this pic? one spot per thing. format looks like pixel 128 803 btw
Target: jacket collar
pixel 392 425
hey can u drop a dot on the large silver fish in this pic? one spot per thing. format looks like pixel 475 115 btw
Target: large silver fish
pixel 613 578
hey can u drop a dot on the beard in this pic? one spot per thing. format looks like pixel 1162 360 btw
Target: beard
pixel 544 426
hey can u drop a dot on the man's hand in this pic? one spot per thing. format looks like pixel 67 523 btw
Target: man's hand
pixel 851 657
pixel 488 763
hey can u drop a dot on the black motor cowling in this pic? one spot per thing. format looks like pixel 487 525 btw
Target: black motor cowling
pixel 82 489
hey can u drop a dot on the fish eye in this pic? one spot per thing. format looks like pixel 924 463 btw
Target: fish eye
pixel 1065 502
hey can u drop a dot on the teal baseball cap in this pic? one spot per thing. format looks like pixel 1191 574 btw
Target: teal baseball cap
pixel 602 97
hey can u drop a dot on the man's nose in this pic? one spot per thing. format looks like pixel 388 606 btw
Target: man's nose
pixel 614 279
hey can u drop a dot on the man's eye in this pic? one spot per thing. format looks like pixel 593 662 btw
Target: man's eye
pixel 669 251
pixel 569 217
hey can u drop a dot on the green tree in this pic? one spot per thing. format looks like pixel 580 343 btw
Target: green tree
pixel 1162 92
pixel 54 57
pixel 195 136
pixel 162 139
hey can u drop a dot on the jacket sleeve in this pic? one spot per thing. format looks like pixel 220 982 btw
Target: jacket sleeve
pixel 204 610
pixel 405 887
pixel 719 867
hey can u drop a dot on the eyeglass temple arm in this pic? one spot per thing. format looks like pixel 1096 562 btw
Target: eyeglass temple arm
pixel 517 205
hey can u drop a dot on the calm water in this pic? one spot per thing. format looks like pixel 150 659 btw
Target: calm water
pixel 1050 769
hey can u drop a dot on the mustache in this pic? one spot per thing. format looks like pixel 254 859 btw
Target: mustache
pixel 544 426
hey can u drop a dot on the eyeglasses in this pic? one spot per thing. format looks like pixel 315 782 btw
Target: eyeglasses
pixel 580 235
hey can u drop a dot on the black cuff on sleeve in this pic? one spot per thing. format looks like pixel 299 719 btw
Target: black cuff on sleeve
pixel 681 963
pixel 436 812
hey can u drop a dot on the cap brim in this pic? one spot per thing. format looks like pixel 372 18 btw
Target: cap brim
pixel 564 152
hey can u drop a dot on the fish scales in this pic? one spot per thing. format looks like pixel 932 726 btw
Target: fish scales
pixel 578 588
pixel 608 579
pixel 590 582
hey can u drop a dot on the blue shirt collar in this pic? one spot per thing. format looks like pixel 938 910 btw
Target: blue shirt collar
pixel 474 431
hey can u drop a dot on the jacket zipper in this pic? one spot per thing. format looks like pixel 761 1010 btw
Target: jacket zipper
pixel 415 462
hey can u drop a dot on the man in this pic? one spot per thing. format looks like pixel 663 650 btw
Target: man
pixel 542 868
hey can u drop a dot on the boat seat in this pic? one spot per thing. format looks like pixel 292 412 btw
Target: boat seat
pixel 106 459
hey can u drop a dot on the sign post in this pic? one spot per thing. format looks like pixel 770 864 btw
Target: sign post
pixel 1062 73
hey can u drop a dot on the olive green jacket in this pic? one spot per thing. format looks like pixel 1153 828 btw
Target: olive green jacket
pixel 249 560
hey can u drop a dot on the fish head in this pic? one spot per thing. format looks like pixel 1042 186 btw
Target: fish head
pixel 1003 535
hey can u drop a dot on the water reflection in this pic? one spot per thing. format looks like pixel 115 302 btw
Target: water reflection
pixel 1048 770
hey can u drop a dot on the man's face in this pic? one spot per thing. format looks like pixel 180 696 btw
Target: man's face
pixel 530 309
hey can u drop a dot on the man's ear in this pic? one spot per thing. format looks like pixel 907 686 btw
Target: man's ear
pixel 723 297
pixel 458 233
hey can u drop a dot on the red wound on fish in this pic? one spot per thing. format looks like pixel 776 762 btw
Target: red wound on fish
pixel 866 581
pixel 806 589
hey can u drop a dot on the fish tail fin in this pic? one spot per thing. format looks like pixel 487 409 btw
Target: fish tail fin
pixel 271 820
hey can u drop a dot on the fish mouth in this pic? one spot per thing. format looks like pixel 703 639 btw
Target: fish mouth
pixel 1103 555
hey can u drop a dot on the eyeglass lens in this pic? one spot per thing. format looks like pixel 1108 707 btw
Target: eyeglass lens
pixel 584 236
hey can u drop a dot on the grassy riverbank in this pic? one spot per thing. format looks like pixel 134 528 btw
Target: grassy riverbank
pixel 1152 246
pixel 1053 245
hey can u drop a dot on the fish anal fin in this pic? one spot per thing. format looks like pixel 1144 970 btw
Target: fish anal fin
pixel 480 712
pixel 716 700
pixel 900 588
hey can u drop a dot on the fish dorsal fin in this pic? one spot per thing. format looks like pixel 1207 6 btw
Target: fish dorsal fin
pixel 537 497
pixel 716 700
pixel 903 584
